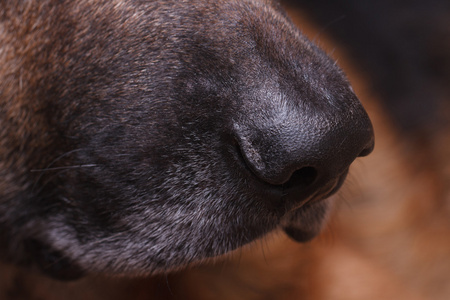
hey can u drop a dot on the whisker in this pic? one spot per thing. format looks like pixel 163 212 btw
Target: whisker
pixel 64 168
pixel 63 155
pixel 168 285
pixel 49 165
pixel 261 243
pixel 326 26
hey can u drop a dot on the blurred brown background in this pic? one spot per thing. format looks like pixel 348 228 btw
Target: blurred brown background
pixel 389 237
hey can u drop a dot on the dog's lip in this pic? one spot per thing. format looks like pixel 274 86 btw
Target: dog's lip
pixel 304 234
pixel 337 184
pixel 310 197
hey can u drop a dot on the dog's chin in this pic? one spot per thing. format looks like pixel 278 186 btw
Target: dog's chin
pixel 306 222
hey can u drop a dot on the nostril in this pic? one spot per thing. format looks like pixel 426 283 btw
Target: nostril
pixel 302 177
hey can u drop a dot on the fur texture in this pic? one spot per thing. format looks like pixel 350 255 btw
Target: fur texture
pixel 142 136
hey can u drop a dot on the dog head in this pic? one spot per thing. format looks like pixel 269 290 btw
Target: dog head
pixel 143 136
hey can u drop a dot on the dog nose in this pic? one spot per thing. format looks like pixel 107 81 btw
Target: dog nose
pixel 298 150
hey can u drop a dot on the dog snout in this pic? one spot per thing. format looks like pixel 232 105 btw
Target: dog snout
pixel 302 152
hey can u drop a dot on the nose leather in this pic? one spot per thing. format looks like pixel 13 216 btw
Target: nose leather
pixel 321 146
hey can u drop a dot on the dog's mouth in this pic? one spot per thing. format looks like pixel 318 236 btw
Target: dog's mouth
pixel 305 221
pixel 302 202
pixel 297 196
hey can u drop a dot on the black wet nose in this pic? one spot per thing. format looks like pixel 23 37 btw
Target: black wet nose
pixel 302 151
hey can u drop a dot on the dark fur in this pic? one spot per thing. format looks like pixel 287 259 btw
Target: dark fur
pixel 140 136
